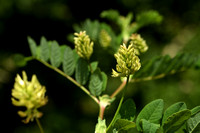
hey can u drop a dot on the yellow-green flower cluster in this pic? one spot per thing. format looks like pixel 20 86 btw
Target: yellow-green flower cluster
pixel 104 38
pixel 139 43
pixel 30 94
pixel 127 61
pixel 83 45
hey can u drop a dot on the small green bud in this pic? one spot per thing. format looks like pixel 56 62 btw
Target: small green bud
pixel 83 45
pixel 104 38
pixel 30 94
pixel 127 61
pixel 101 126
pixel 138 43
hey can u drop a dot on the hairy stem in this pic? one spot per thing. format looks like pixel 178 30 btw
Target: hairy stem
pixel 39 125
pixel 69 78
pixel 119 106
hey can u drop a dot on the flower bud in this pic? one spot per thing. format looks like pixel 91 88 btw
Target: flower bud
pixel 83 46
pixel 127 61
pixel 30 94
pixel 104 38
pixel 138 43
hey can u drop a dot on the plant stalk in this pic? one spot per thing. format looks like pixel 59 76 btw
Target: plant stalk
pixel 119 106
pixel 39 125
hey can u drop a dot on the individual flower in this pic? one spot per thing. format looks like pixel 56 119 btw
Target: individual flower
pixel 83 45
pixel 30 94
pixel 138 43
pixel 127 61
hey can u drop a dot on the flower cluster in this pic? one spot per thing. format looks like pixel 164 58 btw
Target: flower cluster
pixel 104 38
pixel 30 94
pixel 83 45
pixel 127 61
pixel 138 43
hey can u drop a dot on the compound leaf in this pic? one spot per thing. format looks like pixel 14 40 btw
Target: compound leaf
pixel 162 66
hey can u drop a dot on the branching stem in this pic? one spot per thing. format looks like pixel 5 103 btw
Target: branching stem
pixel 120 104
pixel 69 78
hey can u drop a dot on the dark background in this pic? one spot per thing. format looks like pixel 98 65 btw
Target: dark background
pixel 69 109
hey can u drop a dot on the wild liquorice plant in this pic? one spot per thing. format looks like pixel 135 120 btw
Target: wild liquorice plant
pixel 127 46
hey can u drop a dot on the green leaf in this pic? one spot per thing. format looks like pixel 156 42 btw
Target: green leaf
pixel 195 110
pixel 104 78
pixel 148 17
pixel 176 120
pixel 19 60
pixel 44 49
pixel 148 127
pixel 69 61
pixel 82 71
pixel 128 110
pixel 193 124
pixel 152 112
pixel 33 46
pixel 55 54
pixel 162 66
pixel 96 83
pixel 110 14
pixel 94 65
pixel 173 109
pixel 123 125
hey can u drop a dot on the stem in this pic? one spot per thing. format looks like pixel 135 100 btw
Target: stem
pixel 118 89
pixel 101 111
pixel 119 106
pixel 69 78
pixel 39 125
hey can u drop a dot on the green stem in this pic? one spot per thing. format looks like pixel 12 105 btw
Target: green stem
pixel 39 125
pixel 69 78
pixel 119 106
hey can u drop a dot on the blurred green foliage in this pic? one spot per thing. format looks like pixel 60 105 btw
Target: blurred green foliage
pixel 179 31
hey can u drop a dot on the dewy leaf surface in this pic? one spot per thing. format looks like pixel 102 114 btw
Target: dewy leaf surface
pixel 152 112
